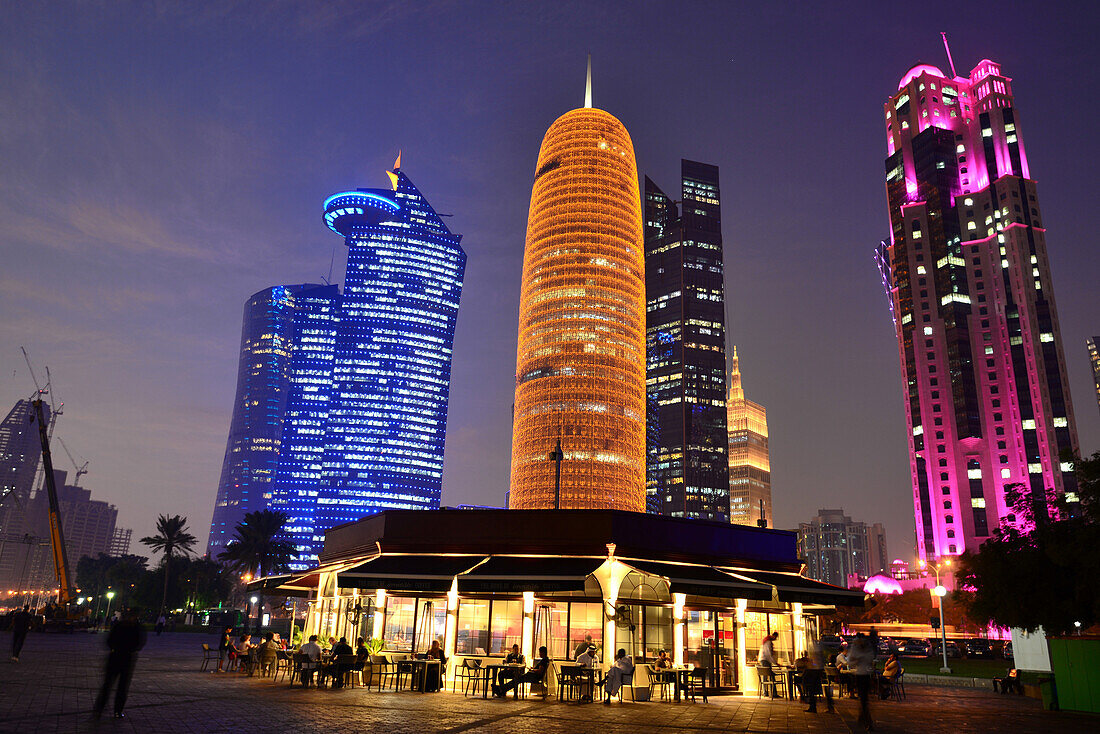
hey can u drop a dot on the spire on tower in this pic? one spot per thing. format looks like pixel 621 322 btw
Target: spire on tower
pixel 588 84
pixel 950 61
pixel 736 391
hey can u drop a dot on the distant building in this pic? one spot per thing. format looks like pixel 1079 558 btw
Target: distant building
pixel 687 471
pixel 965 267
pixel 120 542
pixel 256 429
pixel 1093 344
pixel 834 546
pixel 749 463
pixel 20 453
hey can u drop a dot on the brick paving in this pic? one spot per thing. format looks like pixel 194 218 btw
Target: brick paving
pixel 54 685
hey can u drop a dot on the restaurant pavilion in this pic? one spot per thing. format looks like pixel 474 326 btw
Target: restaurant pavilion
pixel 481 580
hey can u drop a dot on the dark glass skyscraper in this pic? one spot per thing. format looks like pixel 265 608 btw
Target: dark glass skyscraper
pixel 20 452
pixel 381 446
pixel 687 472
pixel 255 431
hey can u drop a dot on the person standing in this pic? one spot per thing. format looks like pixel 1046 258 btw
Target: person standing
pixel 20 625
pixel 814 678
pixel 161 621
pixel 124 640
pixel 861 659
pixel 768 660
pixel 224 648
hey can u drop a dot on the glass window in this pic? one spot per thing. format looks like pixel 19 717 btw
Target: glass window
pixel 699 627
pixel 506 628
pixel 431 623
pixel 756 627
pixel 585 619
pixel 472 636
pixel 658 631
pixel 398 630
pixel 628 639
pixel 784 646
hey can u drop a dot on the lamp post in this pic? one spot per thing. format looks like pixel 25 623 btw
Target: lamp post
pixel 940 592
pixel 556 456
pixel 258 612
pixel 107 614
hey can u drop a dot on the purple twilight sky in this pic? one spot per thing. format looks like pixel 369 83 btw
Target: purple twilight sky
pixel 160 162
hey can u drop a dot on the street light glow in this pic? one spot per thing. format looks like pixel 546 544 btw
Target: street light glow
pixel 939 591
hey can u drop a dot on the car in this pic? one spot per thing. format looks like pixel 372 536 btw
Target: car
pixel 978 648
pixel 885 646
pixel 953 650
pixel 1008 650
pixel 915 648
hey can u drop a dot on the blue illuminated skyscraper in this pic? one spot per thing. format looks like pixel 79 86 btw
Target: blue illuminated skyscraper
pixel 255 431
pixel 386 417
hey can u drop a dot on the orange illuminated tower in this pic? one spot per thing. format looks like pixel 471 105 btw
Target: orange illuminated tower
pixel 580 366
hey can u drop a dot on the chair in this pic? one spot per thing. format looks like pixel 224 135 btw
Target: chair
pixel 697 683
pixel 831 678
pixel 569 683
pixel 298 667
pixel 343 665
pixel 251 662
pixel 897 687
pixel 659 679
pixel 386 669
pixel 282 665
pixel 470 675
pixel 364 672
pixel 403 667
pixel 207 656
pixel 765 677
pixel 627 681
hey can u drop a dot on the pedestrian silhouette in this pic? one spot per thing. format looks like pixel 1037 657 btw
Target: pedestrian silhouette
pixel 20 624
pixel 125 639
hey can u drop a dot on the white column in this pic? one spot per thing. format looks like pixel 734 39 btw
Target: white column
pixel 798 624
pixel 527 643
pixel 451 633
pixel 747 679
pixel 678 637
pixel 379 612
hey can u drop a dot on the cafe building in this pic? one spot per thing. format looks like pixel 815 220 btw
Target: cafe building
pixel 479 581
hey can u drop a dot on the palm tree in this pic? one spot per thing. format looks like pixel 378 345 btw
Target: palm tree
pixel 171 539
pixel 257 550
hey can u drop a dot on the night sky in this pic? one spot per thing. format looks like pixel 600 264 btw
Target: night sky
pixel 160 162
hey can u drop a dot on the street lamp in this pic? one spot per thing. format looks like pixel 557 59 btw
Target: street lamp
pixel 107 614
pixel 941 592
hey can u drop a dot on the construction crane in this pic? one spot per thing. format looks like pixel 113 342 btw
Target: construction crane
pixel 81 469
pixel 66 587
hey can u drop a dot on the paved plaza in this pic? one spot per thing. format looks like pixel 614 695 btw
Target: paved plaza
pixel 53 687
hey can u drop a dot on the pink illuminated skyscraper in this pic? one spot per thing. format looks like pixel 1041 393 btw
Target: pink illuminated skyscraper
pixel 972 298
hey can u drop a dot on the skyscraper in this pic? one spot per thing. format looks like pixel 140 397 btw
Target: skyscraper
pixel 580 365
pixel 391 367
pixel 256 428
pixel 834 546
pixel 20 452
pixel 966 271
pixel 1093 344
pixel 750 466
pixel 687 474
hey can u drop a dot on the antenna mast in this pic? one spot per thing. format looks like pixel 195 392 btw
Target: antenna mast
pixel 588 84
pixel 950 61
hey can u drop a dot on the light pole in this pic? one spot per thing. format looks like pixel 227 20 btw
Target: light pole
pixel 107 614
pixel 258 612
pixel 940 592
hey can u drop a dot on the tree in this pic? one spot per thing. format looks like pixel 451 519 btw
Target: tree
pixel 171 539
pixel 1040 568
pixel 256 549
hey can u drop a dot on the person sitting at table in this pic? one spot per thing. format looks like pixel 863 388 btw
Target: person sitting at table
pixel 613 681
pixel 582 647
pixel 890 671
pixel 513 658
pixel 434 673
pixel 268 648
pixel 588 659
pixel 240 650
pixel 337 670
pixel 844 675
pixel 312 663
pixel 662 667
pixel 536 674
pixel 362 654
pixel 800 666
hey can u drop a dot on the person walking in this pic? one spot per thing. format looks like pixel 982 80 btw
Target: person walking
pixel 20 625
pixel 815 679
pixel 861 659
pixel 124 640
pixel 161 621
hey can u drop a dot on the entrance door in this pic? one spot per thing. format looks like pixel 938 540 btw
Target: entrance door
pixel 724 658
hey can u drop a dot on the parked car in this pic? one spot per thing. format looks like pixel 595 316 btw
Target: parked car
pixel 1008 650
pixel 915 648
pixel 978 648
pixel 953 650
pixel 885 646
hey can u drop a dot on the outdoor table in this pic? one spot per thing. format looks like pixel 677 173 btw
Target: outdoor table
pixel 421 666
pixel 790 676
pixel 590 673
pixel 491 674
pixel 680 676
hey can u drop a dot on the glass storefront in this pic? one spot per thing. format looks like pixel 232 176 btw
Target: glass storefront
pixel 400 619
pixel 472 636
pixel 585 619
pixel 506 627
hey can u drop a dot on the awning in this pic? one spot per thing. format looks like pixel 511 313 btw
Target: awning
pixel 514 574
pixel 703 581
pixel 286 584
pixel 407 573
pixel 794 588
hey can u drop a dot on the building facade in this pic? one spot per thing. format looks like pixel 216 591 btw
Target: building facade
pixel 833 546
pixel 256 428
pixel 687 472
pixel 1094 360
pixel 20 454
pixel 750 471
pixel 966 270
pixel 580 365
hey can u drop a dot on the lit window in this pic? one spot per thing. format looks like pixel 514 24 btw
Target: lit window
pixel 977 502
pixel 1060 423
pixel 1028 424
pixel 928 331
pixel 1034 468
pixel 973 473
pixel 1066 466
pixel 1006 473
